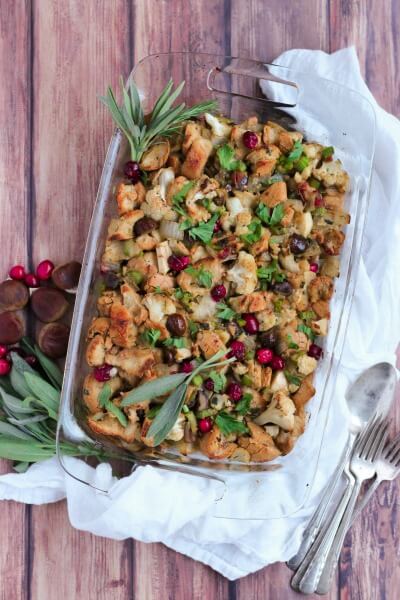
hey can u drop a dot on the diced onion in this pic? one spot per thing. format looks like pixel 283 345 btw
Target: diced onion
pixel 170 230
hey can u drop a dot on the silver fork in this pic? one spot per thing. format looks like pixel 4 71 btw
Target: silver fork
pixel 307 576
pixel 387 469
pixel 362 467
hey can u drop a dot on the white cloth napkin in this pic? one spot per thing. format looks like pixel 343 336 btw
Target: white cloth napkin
pixel 152 505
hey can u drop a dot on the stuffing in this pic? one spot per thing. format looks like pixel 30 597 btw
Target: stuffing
pixel 192 133
pixel 320 288
pixel 286 440
pixel 92 389
pixel 274 194
pixel 122 228
pixel 306 364
pixel 100 326
pixel 262 163
pixel 235 207
pixel 215 445
pixel 259 375
pixel 195 210
pixel 220 128
pixel 145 265
pixel 278 382
pixel 95 351
pixel 332 174
pixel 251 303
pixel 260 445
pixel 262 244
pixel 320 327
pixel 105 302
pixel 148 241
pixel 110 426
pixel 115 252
pixel 244 274
pixel 132 362
pixel 178 430
pixel 280 411
pixel 127 198
pixel 163 252
pixel 155 157
pixel 133 302
pixel 305 392
pixel 123 331
pixel 196 158
pixel 159 306
pixel 164 282
pixel 204 309
pixel 266 319
pixel 304 223
pixel 156 207
pixel 209 342
pixel 331 240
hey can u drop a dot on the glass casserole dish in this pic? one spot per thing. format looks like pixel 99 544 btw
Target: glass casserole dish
pixel 291 100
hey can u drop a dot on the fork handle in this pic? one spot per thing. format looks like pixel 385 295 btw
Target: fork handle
pixel 334 552
pixel 307 576
pixel 311 531
pixel 366 498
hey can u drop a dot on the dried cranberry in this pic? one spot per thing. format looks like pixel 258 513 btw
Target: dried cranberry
pixel 102 373
pixel 5 367
pixel 234 391
pixel 17 272
pixel 178 263
pixel 318 200
pixel 44 270
pixel 224 253
pixel 111 280
pixel 314 267
pixel 264 355
pixel 315 351
pixel 132 171
pixel 186 366
pixel 218 292
pixel 251 325
pixel 250 140
pixel 277 363
pixel 205 424
pixel 209 385
pixel 237 349
pixel 217 226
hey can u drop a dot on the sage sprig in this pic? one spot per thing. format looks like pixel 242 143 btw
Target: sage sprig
pixel 177 384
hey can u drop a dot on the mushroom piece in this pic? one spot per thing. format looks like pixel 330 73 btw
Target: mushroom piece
pixel 14 295
pixel 49 304
pixel 12 328
pixel 66 276
pixel 53 339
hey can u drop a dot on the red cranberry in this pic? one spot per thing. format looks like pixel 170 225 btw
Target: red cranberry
pixel 186 366
pixel 234 391
pixel 209 385
pixel 315 351
pixel 302 189
pixel 132 171
pixel 31 280
pixel 264 355
pixel 205 425
pixel 31 360
pixel 237 349
pixel 224 253
pixel 314 267
pixel 102 373
pixel 319 201
pixel 250 139
pixel 44 270
pixel 218 292
pixel 3 350
pixel 178 263
pixel 217 226
pixel 277 363
pixel 17 272
pixel 5 367
pixel 251 325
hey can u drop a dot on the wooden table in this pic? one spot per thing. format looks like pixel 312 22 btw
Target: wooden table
pixel 55 58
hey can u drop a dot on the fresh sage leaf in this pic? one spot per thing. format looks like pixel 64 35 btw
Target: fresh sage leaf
pixel 153 389
pixel 167 415
pixel 52 370
pixel 21 467
pixel 44 392
pixel 10 430
pixel 14 405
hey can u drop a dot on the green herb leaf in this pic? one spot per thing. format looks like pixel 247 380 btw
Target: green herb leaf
pixel 307 330
pixel 117 412
pixel 204 231
pixel 296 152
pixel 219 380
pixel 153 411
pixel 185 298
pixel 181 195
pixel 291 344
pixel 193 328
pixel 202 276
pixel 186 224
pixel 271 272
pixel 105 395
pixel 176 342
pixel 153 389
pixel 243 406
pixel 293 379
pixel 151 336
pixel 254 232
pixel 46 394
pixel 277 215
pixel 307 315
pixel 226 157
pixel 327 152
pixel 167 415
pixel 302 163
pixel 227 424
pixel 224 312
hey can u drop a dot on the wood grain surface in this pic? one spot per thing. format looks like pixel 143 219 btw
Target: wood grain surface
pixel 55 58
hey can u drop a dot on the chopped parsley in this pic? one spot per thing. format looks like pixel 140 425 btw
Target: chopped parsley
pixel 254 232
pixel 327 152
pixel 153 411
pixel 151 336
pixel 307 315
pixel 243 406
pixel 296 152
pixel 176 342
pixel 228 424
pixel 224 312
pixel 219 381
pixel 291 344
pixel 185 298
pixel 271 273
pixel 226 157
pixel 193 328
pixel 271 219
pixel 307 330
pixel 293 379
pixel 202 276
pixel 204 231
pixel 180 196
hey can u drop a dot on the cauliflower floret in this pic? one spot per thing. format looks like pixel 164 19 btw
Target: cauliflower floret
pixel 304 223
pixel 320 327
pixel 312 150
pixel 196 211
pixel 234 207
pixel 163 252
pixel 218 127
pixel 164 178
pixel 279 382
pixel 244 273
pixel 279 412
pixel 306 364
pixel 205 309
pixel 177 432
pixel 158 306
pixel 156 207
pixel 331 173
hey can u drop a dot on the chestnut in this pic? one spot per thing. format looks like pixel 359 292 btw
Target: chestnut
pixel 144 225
pixel 176 325
pixel 12 328
pixel 14 295
pixel 48 304
pixel 53 339
pixel 66 276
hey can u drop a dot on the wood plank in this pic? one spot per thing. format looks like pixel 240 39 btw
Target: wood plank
pixel 263 32
pixel 15 101
pixel 160 573
pixel 79 48
pixel 369 562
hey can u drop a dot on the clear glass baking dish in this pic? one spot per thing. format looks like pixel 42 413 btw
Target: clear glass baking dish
pixel 297 100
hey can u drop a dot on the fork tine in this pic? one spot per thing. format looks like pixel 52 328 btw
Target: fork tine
pixel 370 436
pixel 391 448
pixel 364 436
pixel 377 447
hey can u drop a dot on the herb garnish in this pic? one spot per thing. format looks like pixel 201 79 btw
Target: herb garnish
pixel 224 312
pixel 228 424
pixel 254 232
pixel 226 157
pixel 151 336
pixel 204 231
pixel 296 152
pixel 307 330
pixel 219 381
pixel 201 275
pixel 271 219
pixel 175 342
pixel 180 196
pixel 271 273
pixel 243 406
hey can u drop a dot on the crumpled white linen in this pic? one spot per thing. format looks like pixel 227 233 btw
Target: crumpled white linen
pixel 152 505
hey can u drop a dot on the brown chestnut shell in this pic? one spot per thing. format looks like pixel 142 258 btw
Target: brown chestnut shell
pixel 53 339
pixel 66 276
pixel 49 304
pixel 14 295
pixel 12 328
